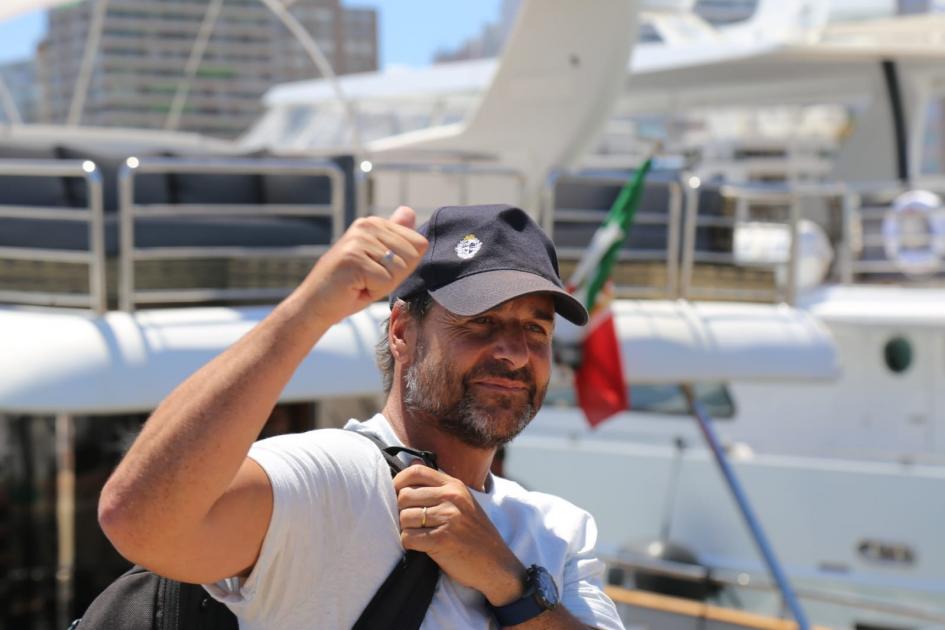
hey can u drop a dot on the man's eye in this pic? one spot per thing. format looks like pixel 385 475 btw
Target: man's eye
pixel 535 328
pixel 482 320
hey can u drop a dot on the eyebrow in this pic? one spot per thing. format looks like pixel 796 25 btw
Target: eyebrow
pixel 542 314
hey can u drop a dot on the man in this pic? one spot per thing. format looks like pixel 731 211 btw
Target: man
pixel 298 531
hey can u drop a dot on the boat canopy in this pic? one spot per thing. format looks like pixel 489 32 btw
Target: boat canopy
pixel 75 362
pixel 690 342
pixel 897 307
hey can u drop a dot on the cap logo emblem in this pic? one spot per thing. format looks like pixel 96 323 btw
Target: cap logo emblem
pixel 468 247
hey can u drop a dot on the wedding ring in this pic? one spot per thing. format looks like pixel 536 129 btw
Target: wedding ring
pixel 387 258
pixel 423 519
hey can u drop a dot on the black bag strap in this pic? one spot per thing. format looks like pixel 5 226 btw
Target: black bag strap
pixel 403 599
pixel 391 453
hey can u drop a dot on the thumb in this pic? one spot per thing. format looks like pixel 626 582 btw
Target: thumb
pixel 405 216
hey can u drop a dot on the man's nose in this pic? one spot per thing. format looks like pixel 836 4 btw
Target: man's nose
pixel 512 347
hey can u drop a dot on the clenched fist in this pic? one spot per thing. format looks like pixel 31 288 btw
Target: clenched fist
pixel 369 261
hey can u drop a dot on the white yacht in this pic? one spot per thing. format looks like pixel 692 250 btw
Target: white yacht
pixel 807 332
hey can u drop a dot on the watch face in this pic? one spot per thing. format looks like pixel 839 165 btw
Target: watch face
pixel 546 591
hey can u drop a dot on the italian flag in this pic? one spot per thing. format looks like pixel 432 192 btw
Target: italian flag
pixel 599 379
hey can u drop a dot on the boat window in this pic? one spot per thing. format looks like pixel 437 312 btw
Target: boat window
pixel 898 354
pixel 664 399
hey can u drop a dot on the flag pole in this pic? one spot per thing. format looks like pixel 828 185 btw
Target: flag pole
pixel 744 506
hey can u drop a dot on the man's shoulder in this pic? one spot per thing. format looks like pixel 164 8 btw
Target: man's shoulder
pixel 338 445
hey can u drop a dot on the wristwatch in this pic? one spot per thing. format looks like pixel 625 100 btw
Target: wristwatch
pixel 541 594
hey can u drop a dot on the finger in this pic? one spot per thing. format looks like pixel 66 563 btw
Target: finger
pixel 389 259
pixel 420 476
pixel 417 240
pixel 419 497
pixel 376 249
pixel 416 518
pixel 402 248
pixel 419 539
pixel 378 279
pixel 405 216
pixel 406 243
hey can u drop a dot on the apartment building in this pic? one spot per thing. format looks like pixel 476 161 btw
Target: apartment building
pixel 145 45
pixel 22 93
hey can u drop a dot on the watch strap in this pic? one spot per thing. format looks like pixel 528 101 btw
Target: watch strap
pixel 525 608
pixel 518 611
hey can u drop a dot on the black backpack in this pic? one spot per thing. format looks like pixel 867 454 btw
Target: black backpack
pixel 142 600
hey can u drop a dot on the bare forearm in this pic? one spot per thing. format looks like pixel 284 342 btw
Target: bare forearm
pixel 192 446
pixel 183 484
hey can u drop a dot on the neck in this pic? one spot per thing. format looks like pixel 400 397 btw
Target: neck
pixel 456 458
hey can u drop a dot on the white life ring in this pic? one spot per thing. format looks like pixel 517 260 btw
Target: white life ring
pixel 915 215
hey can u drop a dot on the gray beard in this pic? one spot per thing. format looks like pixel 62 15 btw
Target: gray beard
pixel 427 391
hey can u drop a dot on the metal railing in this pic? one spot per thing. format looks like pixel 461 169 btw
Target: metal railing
pixel 552 215
pixel 746 197
pixel 93 214
pixel 463 175
pixel 682 218
pixel 129 211
pixel 870 202
pixel 847 206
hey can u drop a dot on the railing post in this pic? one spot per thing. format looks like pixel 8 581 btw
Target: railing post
pixel 362 187
pixel 337 205
pixel 404 188
pixel 463 174
pixel 548 204
pixel 791 293
pixel 851 201
pixel 672 240
pixel 691 184
pixel 126 227
pixel 97 281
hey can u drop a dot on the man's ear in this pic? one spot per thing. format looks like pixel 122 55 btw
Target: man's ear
pixel 402 333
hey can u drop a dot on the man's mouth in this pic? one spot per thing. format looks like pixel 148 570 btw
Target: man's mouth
pixel 501 385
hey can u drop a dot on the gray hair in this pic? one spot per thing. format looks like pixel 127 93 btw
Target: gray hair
pixel 416 307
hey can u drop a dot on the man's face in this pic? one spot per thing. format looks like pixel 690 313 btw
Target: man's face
pixel 482 378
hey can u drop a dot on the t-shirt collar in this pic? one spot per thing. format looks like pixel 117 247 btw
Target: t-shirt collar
pixel 379 427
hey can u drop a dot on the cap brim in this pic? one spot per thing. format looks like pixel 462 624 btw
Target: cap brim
pixel 482 291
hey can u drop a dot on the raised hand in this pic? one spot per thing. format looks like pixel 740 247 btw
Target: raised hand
pixel 369 261
pixel 440 517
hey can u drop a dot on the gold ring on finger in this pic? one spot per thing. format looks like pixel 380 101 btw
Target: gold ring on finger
pixel 423 519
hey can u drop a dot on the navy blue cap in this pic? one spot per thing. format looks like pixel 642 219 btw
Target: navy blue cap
pixel 481 256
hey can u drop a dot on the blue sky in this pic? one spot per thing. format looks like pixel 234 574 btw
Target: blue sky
pixel 410 30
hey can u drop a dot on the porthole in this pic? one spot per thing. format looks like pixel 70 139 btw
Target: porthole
pixel 898 354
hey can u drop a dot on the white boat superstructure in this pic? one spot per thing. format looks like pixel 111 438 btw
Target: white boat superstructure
pixel 794 76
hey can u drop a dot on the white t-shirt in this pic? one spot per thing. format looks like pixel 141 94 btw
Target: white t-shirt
pixel 334 537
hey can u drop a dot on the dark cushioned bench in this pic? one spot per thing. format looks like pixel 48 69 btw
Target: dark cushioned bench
pixel 592 195
pixel 198 231
pixel 172 188
pixel 170 232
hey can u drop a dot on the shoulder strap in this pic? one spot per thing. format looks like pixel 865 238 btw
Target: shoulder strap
pixel 390 454
pixel 403 599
